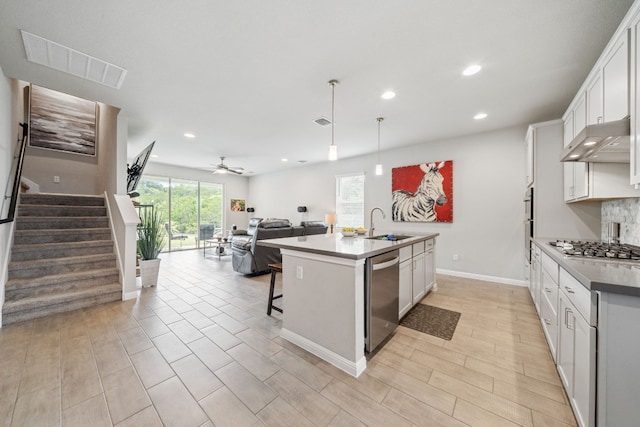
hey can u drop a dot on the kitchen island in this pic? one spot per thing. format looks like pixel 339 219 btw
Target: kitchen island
pixel 323 282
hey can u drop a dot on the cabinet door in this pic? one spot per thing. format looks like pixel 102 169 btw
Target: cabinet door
pixel 566 347
pixel 584 395
pixel 568 181
pixel 405 296
pixel 615 75
pixel 635 105
pixel 579 115
pixel 429 270
pixel 418 278
pixel 580 180
pixel 568 129
pixel 530 157
pixel 594 101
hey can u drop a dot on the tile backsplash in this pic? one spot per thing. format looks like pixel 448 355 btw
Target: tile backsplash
pixel 627 213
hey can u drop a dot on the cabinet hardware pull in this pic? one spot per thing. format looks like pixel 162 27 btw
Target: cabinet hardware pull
pixel 570 290
pixel 547 321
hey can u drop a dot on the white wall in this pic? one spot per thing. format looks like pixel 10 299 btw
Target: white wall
pixel 235 187
pixel 488 187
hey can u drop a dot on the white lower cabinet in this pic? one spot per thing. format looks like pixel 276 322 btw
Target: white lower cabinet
pixel 418 278
pixel 405 296
pixel 417 274
pixel 577 349
pixel 429 265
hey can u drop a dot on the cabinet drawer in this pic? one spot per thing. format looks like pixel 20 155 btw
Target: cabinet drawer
pixel 418 248
pixel 429 244
pixel 550 292
pixel 550 266
pixel 405 253
pixel 582 298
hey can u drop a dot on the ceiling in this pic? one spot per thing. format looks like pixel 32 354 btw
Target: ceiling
pixel 249 77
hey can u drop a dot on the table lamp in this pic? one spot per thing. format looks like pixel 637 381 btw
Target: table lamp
pixel 330 219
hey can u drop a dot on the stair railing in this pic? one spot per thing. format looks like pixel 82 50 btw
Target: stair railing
pixel 18 159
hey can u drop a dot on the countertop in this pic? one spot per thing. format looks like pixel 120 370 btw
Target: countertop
pixel 336 245
pixel 614 277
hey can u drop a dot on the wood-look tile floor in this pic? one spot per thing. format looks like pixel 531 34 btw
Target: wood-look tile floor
pixel 199 350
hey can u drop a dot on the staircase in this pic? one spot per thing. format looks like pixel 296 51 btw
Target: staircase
pixel 62 257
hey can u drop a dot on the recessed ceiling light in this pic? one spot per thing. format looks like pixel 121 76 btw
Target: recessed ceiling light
pixel 588 143
pixel 574 156
pixel 471 70
pixel 189 135
pixel 155 156
pixel 480 116
pixel 284 160
pixel 389 95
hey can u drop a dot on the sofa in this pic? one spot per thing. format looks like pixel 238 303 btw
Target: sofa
pixel 249 258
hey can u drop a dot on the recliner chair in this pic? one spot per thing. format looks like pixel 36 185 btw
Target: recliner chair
pixel 249 258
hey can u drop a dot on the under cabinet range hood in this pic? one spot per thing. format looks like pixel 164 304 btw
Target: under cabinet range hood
pixel 603 142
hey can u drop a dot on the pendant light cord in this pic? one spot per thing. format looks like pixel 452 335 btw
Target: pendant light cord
pixel 333 106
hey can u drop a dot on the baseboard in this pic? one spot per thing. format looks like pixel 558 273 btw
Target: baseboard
pixel 352 368
pixel 502 280
pixel 129 295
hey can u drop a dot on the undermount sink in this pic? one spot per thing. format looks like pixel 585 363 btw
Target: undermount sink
pixel 394 237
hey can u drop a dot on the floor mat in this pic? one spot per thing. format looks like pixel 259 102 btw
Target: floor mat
pixel 432 320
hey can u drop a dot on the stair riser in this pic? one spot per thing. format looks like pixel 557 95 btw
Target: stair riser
pixel 34 223
pixel 38 253
pixel 41 199
pixel 46 310
pixel 38 210
pixel 60 237
pixel 13 294
pixel 46 270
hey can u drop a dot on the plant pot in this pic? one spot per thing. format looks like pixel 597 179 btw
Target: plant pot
pixel 149 270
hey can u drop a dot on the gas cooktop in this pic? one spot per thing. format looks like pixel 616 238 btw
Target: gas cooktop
pixel 598 250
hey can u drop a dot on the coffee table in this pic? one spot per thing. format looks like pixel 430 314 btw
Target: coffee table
pixel 219 244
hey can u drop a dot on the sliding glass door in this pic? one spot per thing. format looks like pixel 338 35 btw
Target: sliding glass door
pixel 192 210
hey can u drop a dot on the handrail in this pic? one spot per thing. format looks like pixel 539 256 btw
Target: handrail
pixel 16 183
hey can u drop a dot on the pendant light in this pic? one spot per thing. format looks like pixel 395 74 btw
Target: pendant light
pixel 379 165
pixel 333 148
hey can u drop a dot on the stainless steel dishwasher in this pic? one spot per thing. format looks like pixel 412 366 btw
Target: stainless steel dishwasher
pixel 381 298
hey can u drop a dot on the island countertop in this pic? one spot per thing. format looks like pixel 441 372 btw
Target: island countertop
pixel 336 245
pixel 596 274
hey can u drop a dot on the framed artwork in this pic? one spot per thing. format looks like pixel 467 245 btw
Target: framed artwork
pixel 62 122
pixel 423 193
pixel 237 205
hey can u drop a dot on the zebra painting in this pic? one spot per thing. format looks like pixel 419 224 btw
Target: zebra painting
pixel 419 206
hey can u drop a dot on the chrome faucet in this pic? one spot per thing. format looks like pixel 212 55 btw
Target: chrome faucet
pixel 371 228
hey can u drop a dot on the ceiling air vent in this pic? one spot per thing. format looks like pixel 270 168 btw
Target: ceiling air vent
pixel 54 55
pixel 323 121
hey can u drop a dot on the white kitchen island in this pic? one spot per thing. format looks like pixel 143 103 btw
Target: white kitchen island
pixel 323 282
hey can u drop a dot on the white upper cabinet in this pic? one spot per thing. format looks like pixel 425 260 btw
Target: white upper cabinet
pixel 530 157
pixel 595 103
pixel 615 77
pixel 635 103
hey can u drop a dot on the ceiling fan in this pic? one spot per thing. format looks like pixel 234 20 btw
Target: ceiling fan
pixel 222 168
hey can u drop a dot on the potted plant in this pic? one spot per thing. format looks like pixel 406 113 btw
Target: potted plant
pixel 151 239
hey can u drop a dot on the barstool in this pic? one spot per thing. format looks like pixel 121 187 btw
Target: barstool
pixel 275 268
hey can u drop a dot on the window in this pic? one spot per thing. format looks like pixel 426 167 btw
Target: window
pixel 350 200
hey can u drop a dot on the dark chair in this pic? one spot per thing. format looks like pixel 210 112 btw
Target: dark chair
pixel 175 236
pixel 275 268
